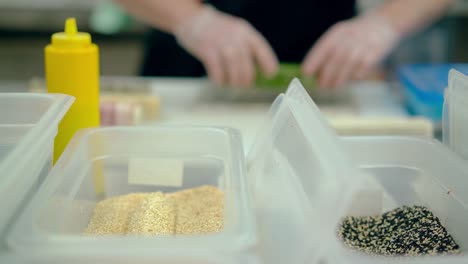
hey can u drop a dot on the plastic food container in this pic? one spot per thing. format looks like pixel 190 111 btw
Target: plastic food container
pixel 103 157
pixel 415 171
pixel 412 171
pixel 283 202
pixel 28 125
pixel 423 87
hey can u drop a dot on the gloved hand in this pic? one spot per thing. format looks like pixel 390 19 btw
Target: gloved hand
pixel 350 50
pixel 228 47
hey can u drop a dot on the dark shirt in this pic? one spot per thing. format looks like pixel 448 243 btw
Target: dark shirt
pixel 290 26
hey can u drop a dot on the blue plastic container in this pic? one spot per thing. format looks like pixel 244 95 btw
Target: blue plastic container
pixel 424 85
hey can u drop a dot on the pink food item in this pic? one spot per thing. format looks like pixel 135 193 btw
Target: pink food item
pixel 107 113
pixel 123 113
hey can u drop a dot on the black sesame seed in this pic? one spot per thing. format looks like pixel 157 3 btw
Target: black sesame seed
pixel 407 231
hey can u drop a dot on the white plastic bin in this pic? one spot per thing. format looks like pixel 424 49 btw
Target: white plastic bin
pixel 413 171
pixel 55 220
pixel 28 125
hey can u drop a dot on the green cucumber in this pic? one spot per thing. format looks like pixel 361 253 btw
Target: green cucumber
pixel 285 74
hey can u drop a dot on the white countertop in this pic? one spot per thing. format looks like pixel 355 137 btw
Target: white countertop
pixel 367 108
pixel 363 108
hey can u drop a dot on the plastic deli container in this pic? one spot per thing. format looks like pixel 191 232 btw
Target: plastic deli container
pixel 283 203
pixel 423 87
pixel 28 125
pixel 415 171
pixel 411 171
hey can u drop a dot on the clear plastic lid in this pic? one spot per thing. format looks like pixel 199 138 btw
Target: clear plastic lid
pixel 300 178
pixel 28 125
pixel 455 120
pixel 24 120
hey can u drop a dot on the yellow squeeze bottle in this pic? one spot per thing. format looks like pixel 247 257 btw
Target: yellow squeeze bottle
pixel 72 67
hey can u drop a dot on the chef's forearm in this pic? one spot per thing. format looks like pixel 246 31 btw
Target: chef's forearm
pixel 407 16
pixel 165 15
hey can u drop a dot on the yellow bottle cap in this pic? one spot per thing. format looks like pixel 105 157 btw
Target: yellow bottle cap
pixel 71 37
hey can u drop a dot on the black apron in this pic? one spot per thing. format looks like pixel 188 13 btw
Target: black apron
pixel 291 27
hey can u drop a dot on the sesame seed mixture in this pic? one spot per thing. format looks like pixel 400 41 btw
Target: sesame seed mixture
pixel 199 210
pixel 155 215
pixel 193 211
pixel 405 231
pixel 111 216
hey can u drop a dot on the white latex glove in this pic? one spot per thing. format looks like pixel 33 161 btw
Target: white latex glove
pixel 350 50
pixel 228 47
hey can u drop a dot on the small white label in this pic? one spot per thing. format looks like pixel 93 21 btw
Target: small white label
pixel 163 172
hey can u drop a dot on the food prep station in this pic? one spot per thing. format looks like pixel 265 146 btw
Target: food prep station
pixel 182 171
pixel 280 207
